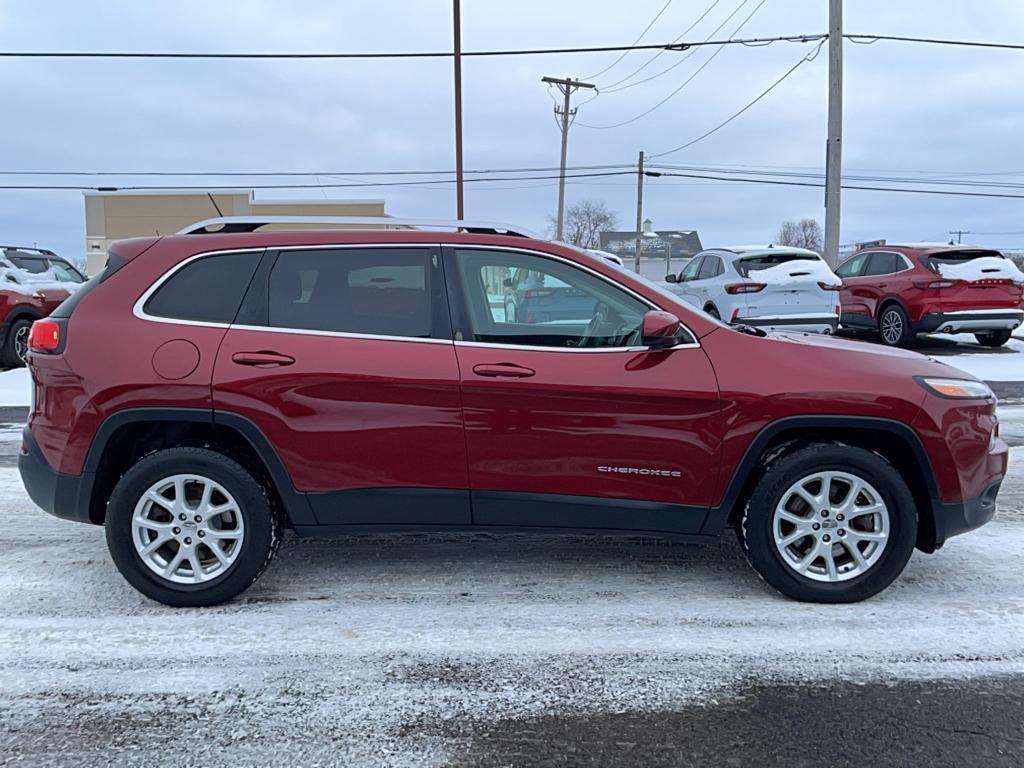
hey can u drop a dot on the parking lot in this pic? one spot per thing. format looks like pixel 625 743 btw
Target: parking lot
pixel 484 650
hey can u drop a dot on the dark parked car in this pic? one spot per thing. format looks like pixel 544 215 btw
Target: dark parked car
pixel 208 390
pixel 536 297
pixel 903 290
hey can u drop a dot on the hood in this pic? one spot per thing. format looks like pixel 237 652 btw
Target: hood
pixel 865 356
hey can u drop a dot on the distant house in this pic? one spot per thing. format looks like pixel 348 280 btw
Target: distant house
pixel 683 242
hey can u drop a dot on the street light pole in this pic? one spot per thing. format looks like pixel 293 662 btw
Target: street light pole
pixel 834 145
pixel 459 199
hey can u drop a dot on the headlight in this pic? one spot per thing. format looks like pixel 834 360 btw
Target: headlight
pixel 956 389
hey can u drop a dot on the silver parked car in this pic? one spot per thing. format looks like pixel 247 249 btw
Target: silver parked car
pixel 774 287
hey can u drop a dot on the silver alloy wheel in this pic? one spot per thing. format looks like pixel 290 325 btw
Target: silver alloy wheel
pixel 892 326
pixel 831 526
pixel 187 529
pixel 21 342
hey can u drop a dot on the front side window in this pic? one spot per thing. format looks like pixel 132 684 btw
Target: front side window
pixel 711 267
pixel 852 267
pixel 207 290
pixel 372 291
pixel 519 298
pixel 691 269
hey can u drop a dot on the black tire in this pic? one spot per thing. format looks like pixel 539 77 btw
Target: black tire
pixel 712 310
pixel 263 528
pixel 894 326
pixel 756 537
pixel 993 338
pixel 10 353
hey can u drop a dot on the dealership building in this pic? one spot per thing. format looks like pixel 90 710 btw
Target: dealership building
pixel 113 216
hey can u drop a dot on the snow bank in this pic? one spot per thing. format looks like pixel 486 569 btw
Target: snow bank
pixel 15 387
pixel 982 268
pixel 796 271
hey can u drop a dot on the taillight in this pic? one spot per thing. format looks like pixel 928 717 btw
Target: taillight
pixel 47 336
pixel 931 284
pixel 735 288
pixel 828 286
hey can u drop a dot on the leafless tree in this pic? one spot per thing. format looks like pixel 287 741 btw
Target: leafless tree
pixel 585 221
pixel 805 233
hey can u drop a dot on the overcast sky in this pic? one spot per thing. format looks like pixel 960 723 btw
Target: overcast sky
pixel 910 109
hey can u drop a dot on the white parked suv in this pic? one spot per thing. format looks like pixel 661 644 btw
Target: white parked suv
pixel 773 287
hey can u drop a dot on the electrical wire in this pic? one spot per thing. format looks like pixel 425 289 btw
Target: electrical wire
pixel 682 59
pixel 810 57
pixel 779 182
pixel 684 34
pixel 418 172
pixel 639 38
pixel 871 39
pixel 147 188
pixel 686 82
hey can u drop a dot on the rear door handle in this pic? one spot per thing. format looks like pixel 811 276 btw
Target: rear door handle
pixel 503 370
pixel 262 359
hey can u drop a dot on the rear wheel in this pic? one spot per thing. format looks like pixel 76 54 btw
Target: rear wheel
pixel 993 338
pixel 191 527
pixel 16 345
pixel 894 326
pixel 829 523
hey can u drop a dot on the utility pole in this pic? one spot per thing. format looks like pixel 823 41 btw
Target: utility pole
pixel 567 86
pixel 459 199
pixel 959 234
pixel 834 144
pixel 639 210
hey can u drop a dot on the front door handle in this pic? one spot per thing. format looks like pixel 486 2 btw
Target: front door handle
pixel 263 359
pixel 503 370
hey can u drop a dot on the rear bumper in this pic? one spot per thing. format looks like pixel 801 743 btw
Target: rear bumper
pixel 812 323
pixel 64 496
pixel 954 519
pixel 971 321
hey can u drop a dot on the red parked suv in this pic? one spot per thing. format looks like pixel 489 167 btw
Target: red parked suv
pixel 903 290
pixel 208 390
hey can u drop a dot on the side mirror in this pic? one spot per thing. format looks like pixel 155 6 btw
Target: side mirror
pixel 660 329
pixel 672 277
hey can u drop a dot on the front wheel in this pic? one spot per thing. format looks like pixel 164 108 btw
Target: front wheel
pixel 829 523
pixel 993 338
pixel 191 527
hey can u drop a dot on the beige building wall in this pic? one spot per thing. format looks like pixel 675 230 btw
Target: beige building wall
pixel 113 216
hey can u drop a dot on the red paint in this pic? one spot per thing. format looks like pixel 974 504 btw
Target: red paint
pixel 345 412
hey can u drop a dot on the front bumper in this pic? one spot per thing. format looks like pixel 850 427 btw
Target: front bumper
pixel 64 496
pixel 970 321
pixel 961 517
pixel 811 323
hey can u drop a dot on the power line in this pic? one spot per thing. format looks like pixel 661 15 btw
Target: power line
pixel 616 87
pixel 686 82
pixel 417 172
pixel 765 92
pixel 779 182
pixel 151 188
pixel 684 34
pixel 639 38
pixel 871 39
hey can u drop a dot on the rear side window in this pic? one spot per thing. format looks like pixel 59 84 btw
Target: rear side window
pixel 374 291
pixel 883 263
pixel 712 267
pixel 207 290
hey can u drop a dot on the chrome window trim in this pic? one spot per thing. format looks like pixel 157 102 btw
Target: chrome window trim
pixel 544 255
pixel 140 313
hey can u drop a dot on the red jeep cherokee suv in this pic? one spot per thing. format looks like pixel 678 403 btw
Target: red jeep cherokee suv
pixel 208 390
pixel 903 290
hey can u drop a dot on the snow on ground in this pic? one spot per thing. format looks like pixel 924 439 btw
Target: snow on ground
pixel 15 387
pixel 346 649
pixel 1005 363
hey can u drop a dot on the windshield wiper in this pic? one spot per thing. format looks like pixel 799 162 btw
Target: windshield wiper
pixel 750 330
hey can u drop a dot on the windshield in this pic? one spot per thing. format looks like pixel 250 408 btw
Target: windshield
pixel 753 263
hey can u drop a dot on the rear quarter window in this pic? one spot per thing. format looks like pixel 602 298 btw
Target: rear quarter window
pixel 207 290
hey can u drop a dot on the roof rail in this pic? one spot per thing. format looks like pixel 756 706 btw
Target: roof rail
pixel 233 224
